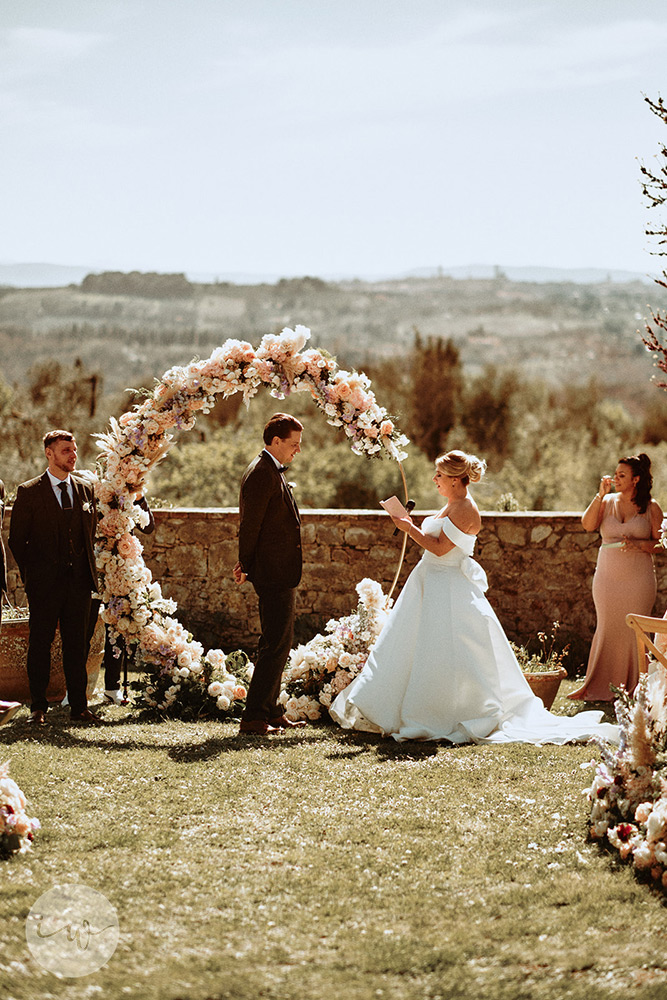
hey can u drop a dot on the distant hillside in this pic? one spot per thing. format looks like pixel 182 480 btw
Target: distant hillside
pixel 58 275
pixel 580 276
pixel 40 275
pixel 132 327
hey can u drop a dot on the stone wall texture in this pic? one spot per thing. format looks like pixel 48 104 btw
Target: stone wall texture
pixel 540 568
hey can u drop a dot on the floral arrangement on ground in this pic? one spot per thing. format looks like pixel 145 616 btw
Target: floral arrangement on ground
pixel 17 829
pixel 181 677
pixel 319 670
pixel 628 796
pixel 215 685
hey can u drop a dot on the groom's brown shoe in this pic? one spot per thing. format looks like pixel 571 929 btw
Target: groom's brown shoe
pixel 259 727
pixel 37 718
pixel 86 718
pixel 286 723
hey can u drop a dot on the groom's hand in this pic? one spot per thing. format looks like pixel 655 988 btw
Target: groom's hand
pixel 239 575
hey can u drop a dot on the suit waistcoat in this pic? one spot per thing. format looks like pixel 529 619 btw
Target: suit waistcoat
pixel 71 543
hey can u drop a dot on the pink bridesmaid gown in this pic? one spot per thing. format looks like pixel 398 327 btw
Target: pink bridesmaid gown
pixel 624 582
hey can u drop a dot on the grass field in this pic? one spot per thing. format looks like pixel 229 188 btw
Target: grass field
pixel 324 864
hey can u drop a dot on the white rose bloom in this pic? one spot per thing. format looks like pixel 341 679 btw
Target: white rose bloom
pixel 223 702
pixel 643 856
pixel 660 851
pixel 297 655
pixel 370 593
pixel 215 689
pixel 313 710
pixel 292 708
pixel 657 821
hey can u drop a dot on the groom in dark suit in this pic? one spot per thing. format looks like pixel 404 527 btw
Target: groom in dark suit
pixel 270 557
pixel 51 536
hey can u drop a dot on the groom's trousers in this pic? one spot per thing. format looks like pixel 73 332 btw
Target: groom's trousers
pixel 276 616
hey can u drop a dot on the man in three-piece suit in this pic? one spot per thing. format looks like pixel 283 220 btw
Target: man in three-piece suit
pixel 7 708
pixel 270 557
pixel 3 561
pixel 51 536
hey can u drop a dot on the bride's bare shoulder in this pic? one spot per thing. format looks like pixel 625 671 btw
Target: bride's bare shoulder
pixel 465 515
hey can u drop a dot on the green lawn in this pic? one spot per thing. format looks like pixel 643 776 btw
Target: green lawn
pixel 323 864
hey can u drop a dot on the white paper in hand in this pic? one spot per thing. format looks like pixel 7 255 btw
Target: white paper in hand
pixel 394 507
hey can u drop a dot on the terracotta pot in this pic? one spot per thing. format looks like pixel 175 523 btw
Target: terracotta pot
pixel 13 657
pixel 545 685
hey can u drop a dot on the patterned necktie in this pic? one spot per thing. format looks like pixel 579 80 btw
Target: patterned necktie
pixel 65 501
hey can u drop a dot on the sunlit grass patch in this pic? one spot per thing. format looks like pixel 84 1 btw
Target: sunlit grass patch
pixel 324 863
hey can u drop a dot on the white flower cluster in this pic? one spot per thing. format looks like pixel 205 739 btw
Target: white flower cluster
pixel 319 670
pixel 628 796
pixel 17 829
pixel 663 533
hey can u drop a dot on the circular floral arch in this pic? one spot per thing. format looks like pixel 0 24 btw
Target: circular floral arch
pixel 134 606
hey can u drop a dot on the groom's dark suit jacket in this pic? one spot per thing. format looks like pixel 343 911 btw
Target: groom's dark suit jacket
pixel 270 527
pixel 37 533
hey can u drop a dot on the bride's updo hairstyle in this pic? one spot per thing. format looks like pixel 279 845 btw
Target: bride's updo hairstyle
pixel 467 468
pixel 640 465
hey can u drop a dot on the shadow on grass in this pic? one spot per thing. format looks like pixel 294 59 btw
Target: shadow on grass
pixel 353 744
pixel 142 731
pixel 124 733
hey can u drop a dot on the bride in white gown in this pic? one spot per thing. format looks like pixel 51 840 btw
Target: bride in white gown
pixel 442 668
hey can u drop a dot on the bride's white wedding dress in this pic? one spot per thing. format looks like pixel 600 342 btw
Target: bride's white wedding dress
pixel 443 669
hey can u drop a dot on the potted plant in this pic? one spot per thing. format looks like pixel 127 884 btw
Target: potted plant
pixel 543 668
pixel 14 634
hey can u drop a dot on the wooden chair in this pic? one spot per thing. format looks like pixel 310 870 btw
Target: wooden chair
pixel 644 627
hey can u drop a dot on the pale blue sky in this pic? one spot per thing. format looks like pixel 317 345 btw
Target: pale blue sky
pixel 343 137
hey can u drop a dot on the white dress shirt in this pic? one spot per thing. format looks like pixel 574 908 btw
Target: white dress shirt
pixel 55 483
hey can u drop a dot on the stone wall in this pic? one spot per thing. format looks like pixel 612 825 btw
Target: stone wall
pixel 540 568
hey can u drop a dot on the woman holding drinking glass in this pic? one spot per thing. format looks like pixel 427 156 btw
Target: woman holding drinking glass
pixel 629 522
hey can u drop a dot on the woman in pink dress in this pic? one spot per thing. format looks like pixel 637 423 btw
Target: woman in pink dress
pixel 629 523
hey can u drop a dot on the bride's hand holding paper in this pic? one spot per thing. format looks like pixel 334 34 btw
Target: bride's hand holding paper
pixel 398 513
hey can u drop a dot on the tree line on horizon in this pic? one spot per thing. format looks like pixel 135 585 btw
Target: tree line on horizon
pixel 546 445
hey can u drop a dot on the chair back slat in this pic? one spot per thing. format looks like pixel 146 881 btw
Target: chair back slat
pixel 643 626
